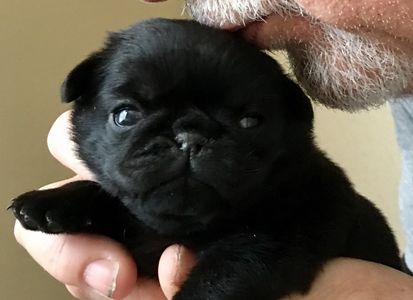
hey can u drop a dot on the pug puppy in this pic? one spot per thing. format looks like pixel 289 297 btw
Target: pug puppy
pixel 197 138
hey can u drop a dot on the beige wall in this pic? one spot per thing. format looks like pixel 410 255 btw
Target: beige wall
pixel 365 146
pixel 40 40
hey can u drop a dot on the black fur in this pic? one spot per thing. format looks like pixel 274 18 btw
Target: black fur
pixel 262 207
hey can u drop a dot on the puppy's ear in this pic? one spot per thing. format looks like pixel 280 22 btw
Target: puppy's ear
pixel 81 80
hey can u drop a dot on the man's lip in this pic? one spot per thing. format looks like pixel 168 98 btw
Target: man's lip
pixel 249 31
pixel 232 27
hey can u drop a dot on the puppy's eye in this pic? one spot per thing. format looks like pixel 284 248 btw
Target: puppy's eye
pixel 126 117
pixel 250 122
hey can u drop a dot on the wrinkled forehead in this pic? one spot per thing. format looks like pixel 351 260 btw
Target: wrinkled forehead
pixel 165 77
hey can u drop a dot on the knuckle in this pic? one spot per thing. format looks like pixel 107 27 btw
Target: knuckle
pixel 59 263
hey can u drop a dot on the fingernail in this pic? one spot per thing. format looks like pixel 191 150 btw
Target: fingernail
pixel 181 268
pixel 178 261
pixel 101 276
pixel 184 262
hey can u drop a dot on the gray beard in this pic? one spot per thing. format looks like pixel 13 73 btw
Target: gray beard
pixel 349 72
pixel 339 69
pixel 239 12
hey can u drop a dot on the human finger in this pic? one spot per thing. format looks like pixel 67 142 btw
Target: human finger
pixel 63 148
pixel 345 278
pixel 60 183
pixel 87 261
pixel 174 266
pixel 145 289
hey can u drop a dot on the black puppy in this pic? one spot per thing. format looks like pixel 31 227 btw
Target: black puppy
pixel 197 138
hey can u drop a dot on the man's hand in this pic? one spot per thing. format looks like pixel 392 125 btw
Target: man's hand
pixel 352 279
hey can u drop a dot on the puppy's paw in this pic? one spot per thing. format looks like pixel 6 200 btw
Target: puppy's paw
pixel 46 211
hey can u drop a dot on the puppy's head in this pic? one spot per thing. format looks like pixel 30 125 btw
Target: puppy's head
pixel 184 123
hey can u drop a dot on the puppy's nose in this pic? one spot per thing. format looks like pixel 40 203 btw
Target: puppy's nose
pixel 190 141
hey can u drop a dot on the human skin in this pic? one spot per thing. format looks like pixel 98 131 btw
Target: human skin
pixel 389 21
pixel 66 257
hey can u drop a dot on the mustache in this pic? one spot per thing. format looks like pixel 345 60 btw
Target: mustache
pixel 219 12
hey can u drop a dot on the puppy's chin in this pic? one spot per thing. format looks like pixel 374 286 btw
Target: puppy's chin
pixel 180 206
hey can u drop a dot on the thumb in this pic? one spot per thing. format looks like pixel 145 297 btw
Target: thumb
pixel 86 261
pixel 174 266
pixel 63 148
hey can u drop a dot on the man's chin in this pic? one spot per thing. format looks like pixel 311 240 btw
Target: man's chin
pixel 252 34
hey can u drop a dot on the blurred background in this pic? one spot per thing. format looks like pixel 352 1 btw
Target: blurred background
pixel 41 40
